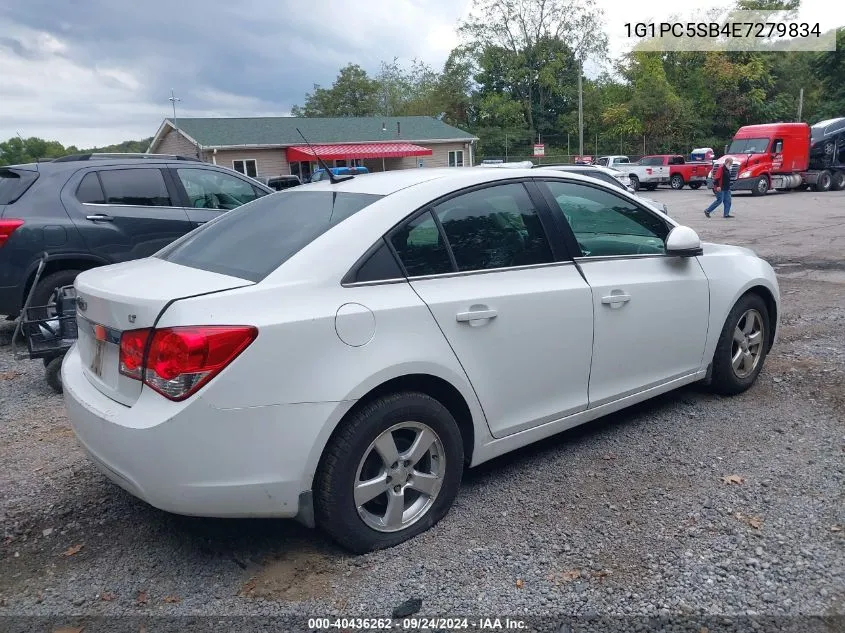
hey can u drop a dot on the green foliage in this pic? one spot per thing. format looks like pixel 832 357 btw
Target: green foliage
pixel 17 151
pixel 353 93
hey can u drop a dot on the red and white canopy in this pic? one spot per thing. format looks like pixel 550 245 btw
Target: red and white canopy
pixel 352 150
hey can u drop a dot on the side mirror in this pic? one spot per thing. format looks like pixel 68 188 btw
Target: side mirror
pixel 683 242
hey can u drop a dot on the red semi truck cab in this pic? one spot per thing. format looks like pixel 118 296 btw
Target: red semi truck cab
pixel 777 156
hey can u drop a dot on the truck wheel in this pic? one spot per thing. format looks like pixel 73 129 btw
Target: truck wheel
pixel 695 185
pixel 677 181
pixel 761 187
pixel 824 182
pixel 838 181
pixel 635 183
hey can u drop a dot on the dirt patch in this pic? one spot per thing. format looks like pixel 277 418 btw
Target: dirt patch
pixel 298 576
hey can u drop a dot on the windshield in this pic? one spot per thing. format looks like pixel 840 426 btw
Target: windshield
pixel 253 240
pixel 748 146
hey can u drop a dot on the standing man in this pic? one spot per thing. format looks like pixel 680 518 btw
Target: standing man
pixel 722 188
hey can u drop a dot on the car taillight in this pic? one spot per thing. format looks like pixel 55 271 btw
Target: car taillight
pixel 180 360
pixel 7 227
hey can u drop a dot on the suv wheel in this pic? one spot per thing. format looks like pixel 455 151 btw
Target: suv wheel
pixel 47 290
pixel 390 473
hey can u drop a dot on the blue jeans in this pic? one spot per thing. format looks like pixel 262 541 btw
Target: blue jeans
pixel 723 196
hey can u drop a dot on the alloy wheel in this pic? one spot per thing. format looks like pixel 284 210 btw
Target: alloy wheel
pixel 747 346
pixel 399 476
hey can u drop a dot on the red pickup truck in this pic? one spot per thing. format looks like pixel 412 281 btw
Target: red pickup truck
pixel 666 169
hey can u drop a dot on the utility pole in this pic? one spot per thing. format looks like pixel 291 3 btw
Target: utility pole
pixel 173 99
pixel 580 108
pixel 506 148
pixel 800 104
pixel 568 152
pixel 597 145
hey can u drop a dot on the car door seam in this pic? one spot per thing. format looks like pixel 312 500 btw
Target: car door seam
pixel 457 358
pixel 592 330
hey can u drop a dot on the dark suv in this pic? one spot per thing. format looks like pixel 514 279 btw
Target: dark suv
pixel 90 210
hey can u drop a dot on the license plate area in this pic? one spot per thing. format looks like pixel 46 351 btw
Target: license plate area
pixel 99 347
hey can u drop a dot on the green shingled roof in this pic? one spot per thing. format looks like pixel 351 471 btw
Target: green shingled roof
pixel 215 132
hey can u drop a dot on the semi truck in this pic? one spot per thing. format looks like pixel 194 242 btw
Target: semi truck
pixel 787 157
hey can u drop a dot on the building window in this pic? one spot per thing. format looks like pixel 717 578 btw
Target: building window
pixel 456 158
pixel 247 167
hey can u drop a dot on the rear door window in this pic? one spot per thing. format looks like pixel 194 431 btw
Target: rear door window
pixel 135 187
pixel 89 190
pixel 253 240
pixel 210 189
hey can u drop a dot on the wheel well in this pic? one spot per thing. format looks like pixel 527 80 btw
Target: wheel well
pixel 766 295
pixel 438 389
pixel 55 266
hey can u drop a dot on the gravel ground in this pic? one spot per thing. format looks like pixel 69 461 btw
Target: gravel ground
pixel 688 505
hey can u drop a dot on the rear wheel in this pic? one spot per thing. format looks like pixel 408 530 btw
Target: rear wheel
pixel 47 290
pixel 761 187
pixel 742 346
pixel 824 182
pixel 838 181
pixel 677 181
pixel 390 473
pixel 635 183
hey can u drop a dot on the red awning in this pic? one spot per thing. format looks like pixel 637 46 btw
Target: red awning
pixel 349 150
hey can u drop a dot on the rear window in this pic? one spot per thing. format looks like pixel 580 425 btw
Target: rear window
pixel 14 183
pixel 252 241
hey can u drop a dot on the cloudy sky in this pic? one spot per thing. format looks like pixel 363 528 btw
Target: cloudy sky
pixel 94 72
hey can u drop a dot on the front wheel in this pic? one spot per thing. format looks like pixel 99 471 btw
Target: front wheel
pixel 761 187
pixel 742 347
pixel 677 181
pixel 391 472
pixel 635 183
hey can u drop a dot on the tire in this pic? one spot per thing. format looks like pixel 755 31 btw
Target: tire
pixel 838 183
pixel 695 185
pixel 824 182
pixel 45 290
pixel 727 380
pixel 53 374
pixel 677 182
pixel 635 183
pixel 351 457
pixel 650 187
pixel 761 187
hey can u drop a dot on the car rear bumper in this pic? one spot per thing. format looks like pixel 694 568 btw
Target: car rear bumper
pixel 194 459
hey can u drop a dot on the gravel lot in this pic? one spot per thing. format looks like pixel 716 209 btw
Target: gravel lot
pixel 628 515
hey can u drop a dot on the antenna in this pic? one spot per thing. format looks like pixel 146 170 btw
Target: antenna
pixel 332 177
pixel 18 134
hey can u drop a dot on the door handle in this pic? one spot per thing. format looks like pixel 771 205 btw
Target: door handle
pixel 611 299
pixel 99 217
pixel 475 315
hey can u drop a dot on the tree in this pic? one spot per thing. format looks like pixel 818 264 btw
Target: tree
pixel 540 41
pixel 830 70
pixel 353 93
pixel 17 151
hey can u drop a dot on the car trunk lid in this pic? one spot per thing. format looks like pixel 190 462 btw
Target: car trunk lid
pixel 130 296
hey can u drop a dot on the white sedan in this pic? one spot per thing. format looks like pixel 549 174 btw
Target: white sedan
pixel 339 352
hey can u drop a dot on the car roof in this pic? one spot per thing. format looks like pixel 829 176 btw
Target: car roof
pixel 576 168
pixel 452 178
